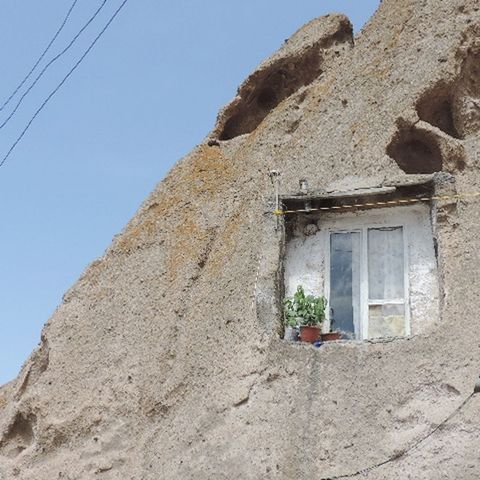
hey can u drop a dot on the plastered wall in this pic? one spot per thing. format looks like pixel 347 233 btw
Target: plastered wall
pixel 307 262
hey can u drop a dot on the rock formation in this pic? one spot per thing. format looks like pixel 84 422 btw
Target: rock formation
pixel 164 360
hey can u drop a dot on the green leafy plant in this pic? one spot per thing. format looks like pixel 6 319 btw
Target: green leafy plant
pixel 304 309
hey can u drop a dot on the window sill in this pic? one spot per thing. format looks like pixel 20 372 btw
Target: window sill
pixel 347 342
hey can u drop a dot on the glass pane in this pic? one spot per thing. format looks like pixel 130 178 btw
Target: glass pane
pixel 385 263
pixel 345 282
pixel 386 321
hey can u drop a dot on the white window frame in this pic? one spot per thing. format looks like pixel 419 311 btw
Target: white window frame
pixel 365 302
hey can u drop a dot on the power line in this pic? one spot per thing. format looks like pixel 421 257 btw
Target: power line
pixel 52 61
pixel 406 452
pixel 59 86
pixel 22 83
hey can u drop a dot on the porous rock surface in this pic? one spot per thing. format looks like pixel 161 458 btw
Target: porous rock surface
pixel 164 360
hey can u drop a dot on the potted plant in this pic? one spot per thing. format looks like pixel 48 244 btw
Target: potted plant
pixel 332 334
pixel 290 320
pixel 307 311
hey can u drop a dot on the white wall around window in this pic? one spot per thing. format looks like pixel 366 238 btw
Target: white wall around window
pixel 306 256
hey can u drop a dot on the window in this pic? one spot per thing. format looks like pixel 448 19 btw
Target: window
pixel 377 269
pixel 367 282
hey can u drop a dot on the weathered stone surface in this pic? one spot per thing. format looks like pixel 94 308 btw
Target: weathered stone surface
pixel 164 361
pixel 301 60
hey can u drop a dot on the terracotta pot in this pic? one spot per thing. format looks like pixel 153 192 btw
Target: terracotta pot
pixel 310 334
pixel 331 336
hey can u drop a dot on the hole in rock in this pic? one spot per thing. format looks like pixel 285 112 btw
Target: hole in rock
pixel 20 435
pixel 272 83
pixel 436 108
pixel 267 99
pixel 268 90
pixel 415 153
pixel 359 259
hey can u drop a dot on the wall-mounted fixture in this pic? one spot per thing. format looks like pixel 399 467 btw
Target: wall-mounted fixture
pixel 303 186
pixel 275 179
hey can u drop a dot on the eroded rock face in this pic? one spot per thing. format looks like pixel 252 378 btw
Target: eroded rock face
pixel 164 359
pixel 298 63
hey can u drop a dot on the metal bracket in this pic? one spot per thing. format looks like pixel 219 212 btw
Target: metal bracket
pixel 275 179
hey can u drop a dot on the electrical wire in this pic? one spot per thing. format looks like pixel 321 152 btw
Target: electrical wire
pixel 29 74
pixel 406 452
pixel 382 204
pixel 52 61
pixel 59 86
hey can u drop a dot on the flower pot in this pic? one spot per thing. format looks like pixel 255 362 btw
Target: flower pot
pixel 309 333
pixel 291 334
pixel 331 336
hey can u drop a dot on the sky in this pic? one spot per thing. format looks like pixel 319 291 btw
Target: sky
pixel 146 94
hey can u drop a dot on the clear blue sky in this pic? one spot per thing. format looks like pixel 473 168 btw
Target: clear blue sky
pixel 146 95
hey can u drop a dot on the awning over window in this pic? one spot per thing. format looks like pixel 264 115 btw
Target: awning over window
pixel 398 191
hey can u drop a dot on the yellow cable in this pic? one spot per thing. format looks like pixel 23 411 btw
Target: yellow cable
pixel 401 201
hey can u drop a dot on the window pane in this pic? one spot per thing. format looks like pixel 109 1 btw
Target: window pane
pixel 345 282
pixel 385 263
pixel 386 321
